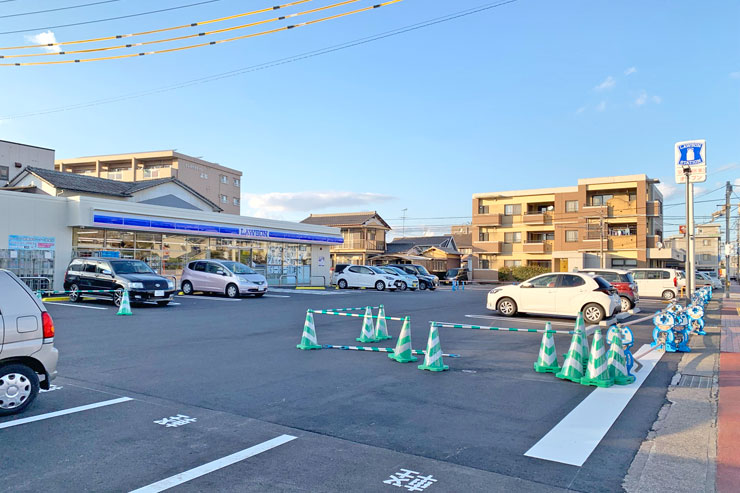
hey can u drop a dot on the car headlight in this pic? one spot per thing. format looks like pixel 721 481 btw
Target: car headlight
pixel 136 285
pixel 170 285
pixel 244 281
pixel 495 290
pixel 389 278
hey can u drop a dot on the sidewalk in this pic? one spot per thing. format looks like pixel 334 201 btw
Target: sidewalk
pixel 728 446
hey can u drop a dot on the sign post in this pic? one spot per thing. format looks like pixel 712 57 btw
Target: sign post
pixel 691 167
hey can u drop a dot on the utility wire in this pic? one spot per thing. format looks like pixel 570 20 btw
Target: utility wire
pixel 266 65
pixel 211 43
pixel 108 19
pixel 58 9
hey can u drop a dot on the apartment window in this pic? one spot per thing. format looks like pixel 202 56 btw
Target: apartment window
pixel 512 263
pixel 204 176
pixel 115 173
pixel 224 179
pixel 624 262
pixel 4 173
pixel 224 199
pixel 512 209
pixel 540 237
pixel 236 182
pixel 483 209
pixel 485 234
pixel 632 196
pixel 571 206
pixel 153 170
pixel 601 199
pixel 571 236
pixel 706 242
pixel 236 201
pixel 512 237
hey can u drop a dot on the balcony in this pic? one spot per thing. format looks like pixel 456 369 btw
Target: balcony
pixel 489 246
pixel 533 218
pixel 361 245
pixel 537 247
pixel 487 220
pixel 622 242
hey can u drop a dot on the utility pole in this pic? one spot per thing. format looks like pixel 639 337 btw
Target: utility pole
pixel 728 192
pixel 737 246
pixel 403 228
pixel 601 241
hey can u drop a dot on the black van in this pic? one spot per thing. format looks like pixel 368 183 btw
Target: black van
pixel 117 275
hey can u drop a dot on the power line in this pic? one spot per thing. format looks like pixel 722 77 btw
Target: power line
pixel 108 19
pixel 58 9
pixel 268 65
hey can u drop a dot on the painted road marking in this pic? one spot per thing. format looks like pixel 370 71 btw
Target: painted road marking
pixel 190 296
pixel 175 421
pixel 63 412
pixel 574 439
pixel 308 292
pixel 510 320
pixel 215 465
pixel 75 305
pixel 276 296
pixel 411 480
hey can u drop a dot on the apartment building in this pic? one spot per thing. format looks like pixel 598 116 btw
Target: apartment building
pixel 15 157
pixel 217 183
pixel 707 247
pixel 363 233
pixel 613 222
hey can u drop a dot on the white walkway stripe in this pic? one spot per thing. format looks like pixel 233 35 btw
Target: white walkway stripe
pixel 215 465
pixel 330 292
pixel 514 322
pixel 275 296
pixel 75 305
pixel 574 439
pixel 209 298
pixel 64 412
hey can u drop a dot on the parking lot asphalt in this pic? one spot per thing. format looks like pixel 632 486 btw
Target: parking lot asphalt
pixel 358 418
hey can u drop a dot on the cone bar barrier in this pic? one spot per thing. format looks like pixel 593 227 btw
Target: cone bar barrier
pixel 88 291
pixel 308 339
pixel 433 356
pixel 573 365
pixel 381 327
pixel 368 333
pixel 502 329
pixel 381 350
pixel 547 360
pixel 125 307
pixel 356 309
pixel 356 315
pixel 616 361
pixel 403 352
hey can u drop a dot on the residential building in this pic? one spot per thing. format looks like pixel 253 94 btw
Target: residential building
pixel 15 157
pixel 611 222
pixel 363 233
pixel 437 253
pixel 218 183
pixel 707 247
pixel 463 236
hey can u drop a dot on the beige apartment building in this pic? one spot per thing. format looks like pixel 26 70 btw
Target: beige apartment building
pixel 363 234
pixel 707 247
pixel 613 222
pixel 217 183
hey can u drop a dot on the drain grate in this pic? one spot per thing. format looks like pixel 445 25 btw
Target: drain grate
pixel 695 381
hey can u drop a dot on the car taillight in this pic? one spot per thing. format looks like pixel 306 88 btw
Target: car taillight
pixel 48 325
pixel 604 290
pixel 675 282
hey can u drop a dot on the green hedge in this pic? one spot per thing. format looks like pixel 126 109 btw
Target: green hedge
pixel 520 273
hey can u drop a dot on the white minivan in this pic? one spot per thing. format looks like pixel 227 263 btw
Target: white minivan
pixel 659 282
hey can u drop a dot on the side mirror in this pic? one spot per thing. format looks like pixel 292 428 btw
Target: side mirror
pixel 106 272
pixel 525 285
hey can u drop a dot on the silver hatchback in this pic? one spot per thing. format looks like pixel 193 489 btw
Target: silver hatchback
pixel 222 276
pixel 28 358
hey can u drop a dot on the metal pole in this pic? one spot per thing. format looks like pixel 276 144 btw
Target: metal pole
pixel 728 191
pixel 689 232
pixel 601 241
pixel 692 246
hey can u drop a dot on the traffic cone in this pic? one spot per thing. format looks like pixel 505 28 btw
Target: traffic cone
pixel 367 327
pixel 597 372
pixel 39 295
pixel 616 361
pixel 125 307
pixel 547 361
pixel 403 353
pixel 573 365
pixel 381 327
pixel 581 326
pixel 308 340
pixel 433 355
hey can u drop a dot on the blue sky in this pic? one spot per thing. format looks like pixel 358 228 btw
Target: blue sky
pixel 536 93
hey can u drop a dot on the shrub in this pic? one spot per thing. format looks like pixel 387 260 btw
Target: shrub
pixel 522 273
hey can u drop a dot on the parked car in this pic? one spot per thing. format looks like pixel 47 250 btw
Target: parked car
pixel 405 280
pixel 457 274
pixel 365 276
pixel 717 283
pixel 28 358
pixel 222 276
pixel 117 275
pixel 336 270
pixel 426 280
pixel 558 293
pixel 703 279
pixel 624 283
pixel 659 282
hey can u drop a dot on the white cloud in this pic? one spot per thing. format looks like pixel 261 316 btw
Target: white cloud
pixel 734 75
pixel 630 71
pixel 656 99
pixel 668 190
pixel 276 204
pixel 736 183
pixel 641 98
pixel 44 38
pixel 601 106
pixel 580 110
pixel 608 83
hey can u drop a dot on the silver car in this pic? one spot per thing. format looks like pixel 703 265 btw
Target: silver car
pixel 222 276
pixel 28 358
pixel 405 280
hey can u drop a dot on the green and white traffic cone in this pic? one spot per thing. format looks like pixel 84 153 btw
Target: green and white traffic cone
pixel 308 340
pixel 581 326
pixel 403 353
pixel 547 361
pixel 125 308
pixel 597 372
pixel 367 334
pixel 381 327
pixel 616 361
pixel 573 365
pixel 433 355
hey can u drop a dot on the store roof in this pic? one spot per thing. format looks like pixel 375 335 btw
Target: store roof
pixel 345 219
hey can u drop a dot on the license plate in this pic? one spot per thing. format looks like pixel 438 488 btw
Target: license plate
pixel 158 294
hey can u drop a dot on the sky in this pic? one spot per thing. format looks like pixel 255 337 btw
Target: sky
pixel 530 94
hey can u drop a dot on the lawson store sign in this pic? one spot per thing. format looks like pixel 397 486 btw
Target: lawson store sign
pixel 143 223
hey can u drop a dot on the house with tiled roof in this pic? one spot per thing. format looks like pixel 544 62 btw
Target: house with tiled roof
pixel 437 253
pixel 363 233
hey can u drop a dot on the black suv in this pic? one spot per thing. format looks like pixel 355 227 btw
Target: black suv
pixel 426 280
pixel 116 275
pixel 457 274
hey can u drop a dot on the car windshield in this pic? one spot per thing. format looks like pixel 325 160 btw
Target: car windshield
pixel 395 270
pixel 238 268
pixel 130 267
pixel 422 270
pixel 376 269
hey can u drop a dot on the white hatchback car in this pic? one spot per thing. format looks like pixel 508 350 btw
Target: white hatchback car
pixel 558 293
pixel 404 280
pixel 365 276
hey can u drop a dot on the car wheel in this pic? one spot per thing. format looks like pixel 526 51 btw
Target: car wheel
pixel 19 386
pixel 187 287
pixel 259 295
pixel 626 303
pixel 118 297
pixel 593 313
pixel 380 286
pixel 402 286
pixel 342 284
pixel 422 285
pixel 232 291
pixel 668 294
pixel 74 293
pixel 163 303
pixel 506 307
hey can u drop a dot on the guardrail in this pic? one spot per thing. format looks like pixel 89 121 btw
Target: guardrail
pixel 35 281
pixel 322 277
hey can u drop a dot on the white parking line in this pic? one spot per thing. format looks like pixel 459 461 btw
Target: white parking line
pixel 275 296
pixel 64 412
pixel 514 321
pixel 74 305
pixel 330 292
pixel 215 465
pixel 577 435
pixel 209 298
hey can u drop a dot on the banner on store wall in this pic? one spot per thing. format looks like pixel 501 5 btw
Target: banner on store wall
pixel 21 242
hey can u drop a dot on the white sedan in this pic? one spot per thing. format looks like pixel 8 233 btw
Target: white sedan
pixel 558 293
